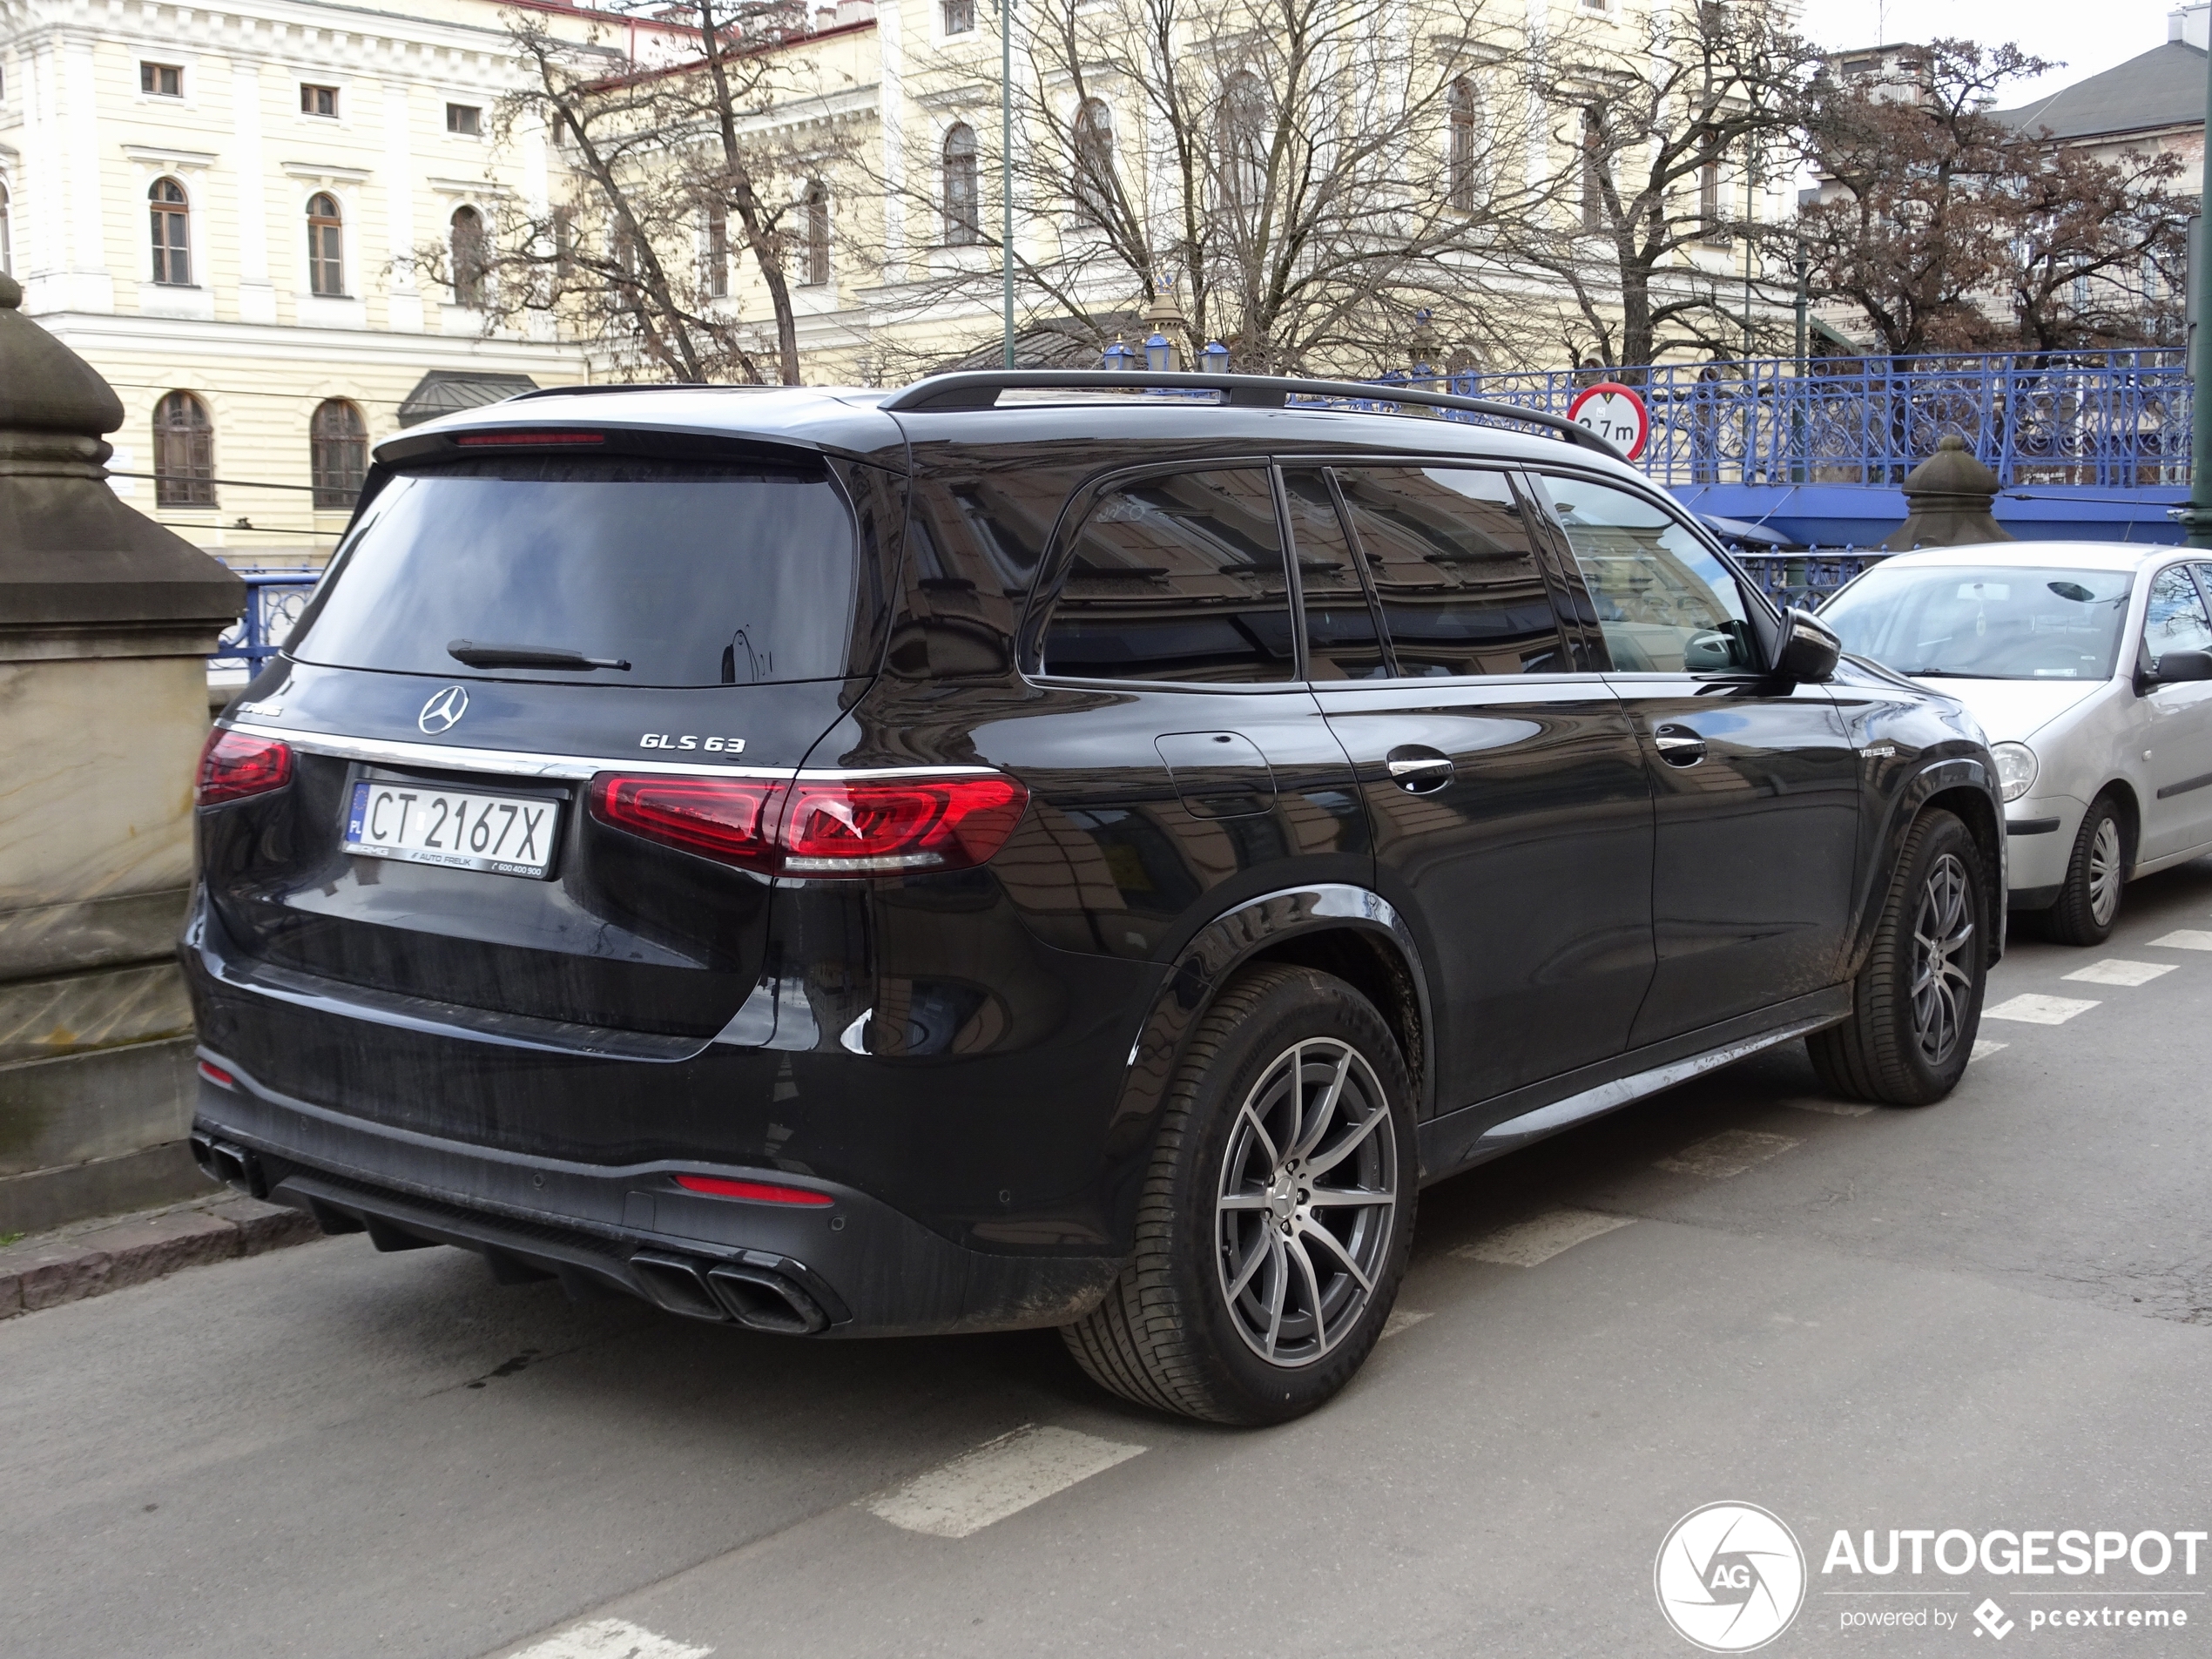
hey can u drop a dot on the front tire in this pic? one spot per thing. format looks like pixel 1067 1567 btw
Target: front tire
pixel 2088 901
pixel 1278 1213
pixel 1916 1006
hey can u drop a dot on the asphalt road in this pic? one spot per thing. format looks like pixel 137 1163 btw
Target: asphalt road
pixel 1991 1315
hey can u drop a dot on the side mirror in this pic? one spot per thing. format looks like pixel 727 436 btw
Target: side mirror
pixel 2178 665
pixel 1808 649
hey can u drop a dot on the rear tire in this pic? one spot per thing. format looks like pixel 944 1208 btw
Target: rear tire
pixel 1277 1214
pixel 2088 901
pixel 1916 1006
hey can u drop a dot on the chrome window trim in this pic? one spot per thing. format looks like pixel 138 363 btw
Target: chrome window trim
pixel 519 763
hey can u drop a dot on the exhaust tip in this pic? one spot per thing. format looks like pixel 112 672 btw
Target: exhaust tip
pixel 763 1300
pixel 677 1286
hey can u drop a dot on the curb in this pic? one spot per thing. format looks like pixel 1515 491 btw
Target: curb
pixel 46 1273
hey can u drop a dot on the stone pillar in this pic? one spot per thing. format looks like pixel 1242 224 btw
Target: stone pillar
pixel 105 620
pixel 1950 501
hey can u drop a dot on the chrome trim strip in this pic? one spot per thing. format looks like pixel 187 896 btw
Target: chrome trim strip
pixel 520 763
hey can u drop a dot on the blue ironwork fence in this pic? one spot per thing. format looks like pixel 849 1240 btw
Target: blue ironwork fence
pixel 2118 419
pixel 1809 577
pixel 274 601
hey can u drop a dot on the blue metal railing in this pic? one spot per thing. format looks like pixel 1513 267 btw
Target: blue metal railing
pixel 2114 419
pixel 274 601
pixel 1810 578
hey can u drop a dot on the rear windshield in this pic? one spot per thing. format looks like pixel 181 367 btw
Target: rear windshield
pixel 692 574
pixel 1984 621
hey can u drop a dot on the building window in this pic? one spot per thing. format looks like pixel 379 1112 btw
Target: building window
pixel 1243 122
pixel 184 452
pixel 1460 156
pixel 326 246
pixel 718 252
pixel 172 233
pixel 1094 156
pixel 963 197
pixel 161 80
pixel 816 211
pixel 468 119
pixel 319 100
pixel 959 15
pixel 469 252
pixel 1709 190
pixel 1593 171
pixel 564 244
pixel 338 455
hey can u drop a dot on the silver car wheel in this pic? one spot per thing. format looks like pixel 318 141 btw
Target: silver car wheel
pixel 2105 872
pixel 1943 933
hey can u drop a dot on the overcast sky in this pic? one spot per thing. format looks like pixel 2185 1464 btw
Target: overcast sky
pixel 2085 37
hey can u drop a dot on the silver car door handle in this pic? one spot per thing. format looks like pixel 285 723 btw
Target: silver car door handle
pixel 1679 745
pixel 1419 773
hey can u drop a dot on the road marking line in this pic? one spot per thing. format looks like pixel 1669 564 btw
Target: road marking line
pixel 2185 939
pixel 1833 1107
pixel 1401 1319
pixel 2114 971
pixel 1526 1244
pixel 611 1639
pixel 1983 1049
pixel 998 1479
pixel 1730 1152
pixel 2032 1009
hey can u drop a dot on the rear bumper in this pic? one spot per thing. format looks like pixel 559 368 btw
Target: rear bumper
pixel 855 1266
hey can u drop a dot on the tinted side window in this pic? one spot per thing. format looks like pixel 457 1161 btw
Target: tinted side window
pixel 1455 570
pixel 2173 617
pixel 1177 579
pixel 1341 639
pixel 1664 602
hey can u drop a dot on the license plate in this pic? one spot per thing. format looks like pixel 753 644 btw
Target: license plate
pixel 461 830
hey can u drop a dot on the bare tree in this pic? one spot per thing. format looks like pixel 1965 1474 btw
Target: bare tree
pixel 662 164
pixel 1320 180
pixel 1653 115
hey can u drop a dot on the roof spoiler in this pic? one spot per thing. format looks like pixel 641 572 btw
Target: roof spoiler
pixel 980 389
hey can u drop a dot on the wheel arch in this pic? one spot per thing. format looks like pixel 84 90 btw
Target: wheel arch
pixel 2131 818
pixel 1964 786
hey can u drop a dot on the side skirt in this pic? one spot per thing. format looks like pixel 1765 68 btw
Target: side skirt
pixel 1476 1133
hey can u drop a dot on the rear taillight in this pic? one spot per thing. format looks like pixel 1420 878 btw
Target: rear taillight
pixel 843 827
pixel 217 1076
pixel 234 765
pixel 758 1191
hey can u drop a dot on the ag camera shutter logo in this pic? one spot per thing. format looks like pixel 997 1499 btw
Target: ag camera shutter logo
pixel 1730 1577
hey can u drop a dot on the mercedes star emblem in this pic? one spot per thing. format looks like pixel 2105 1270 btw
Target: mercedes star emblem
pixel 443 711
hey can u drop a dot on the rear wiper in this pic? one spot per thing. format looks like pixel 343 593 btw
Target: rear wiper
pixel 469 651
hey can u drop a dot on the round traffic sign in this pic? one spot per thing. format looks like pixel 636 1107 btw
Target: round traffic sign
pixel 1615 414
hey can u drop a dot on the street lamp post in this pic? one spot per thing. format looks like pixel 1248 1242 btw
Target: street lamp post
pixel 2197 516
pixel 1006 169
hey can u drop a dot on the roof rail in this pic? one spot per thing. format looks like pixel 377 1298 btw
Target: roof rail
pixel 979 389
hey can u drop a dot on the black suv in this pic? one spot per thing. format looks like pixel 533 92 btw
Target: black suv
pixel 1014 852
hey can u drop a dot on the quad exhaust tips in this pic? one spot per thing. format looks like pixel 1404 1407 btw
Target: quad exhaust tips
pixel 233 1166
pixel 759 1298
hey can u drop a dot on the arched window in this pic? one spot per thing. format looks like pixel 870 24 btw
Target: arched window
pixel 469 257
pixel 1461 179
pixel 184 452
pixel 337 455
pixel 326 245
pixel 1244 145
pixel 1094 156
pixel 717 251
pixel 815 209
pixel 963 196
pixel 7 236
pixel 172 233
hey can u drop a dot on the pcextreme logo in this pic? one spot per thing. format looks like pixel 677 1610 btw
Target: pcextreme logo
pixel 1730 1577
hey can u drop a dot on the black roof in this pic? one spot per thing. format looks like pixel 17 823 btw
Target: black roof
pixel 444 390
pixel 2162 87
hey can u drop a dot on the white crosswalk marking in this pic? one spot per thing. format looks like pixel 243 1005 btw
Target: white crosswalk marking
pixel 1401 1319
pixel 1730 1152
pixel 1538 1239
pixel 2032 1009
pixel 1983 1049
pixel 611 1639
pixel 2114 971
pixel 998 1479
pixel 2185 939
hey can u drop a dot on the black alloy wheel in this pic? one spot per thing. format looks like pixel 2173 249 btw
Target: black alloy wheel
pixel 1916 1005
pixel 1277 1214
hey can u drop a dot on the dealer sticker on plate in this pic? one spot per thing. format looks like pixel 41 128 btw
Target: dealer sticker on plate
pixel 505 833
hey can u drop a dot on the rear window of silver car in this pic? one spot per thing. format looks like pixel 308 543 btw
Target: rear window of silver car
pixel 692 574
pixel 1985 620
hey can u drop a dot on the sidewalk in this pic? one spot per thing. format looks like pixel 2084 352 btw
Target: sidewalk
pixel 92 1258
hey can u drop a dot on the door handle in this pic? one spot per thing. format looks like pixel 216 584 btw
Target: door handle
pixel 1418 771
pixel 1679 745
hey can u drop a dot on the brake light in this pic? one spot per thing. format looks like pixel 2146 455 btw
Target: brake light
pixel 836 828
pixel 235 765
pixel 758 1191
pixel 217 1076
pixel 729 819
pixel 480 440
